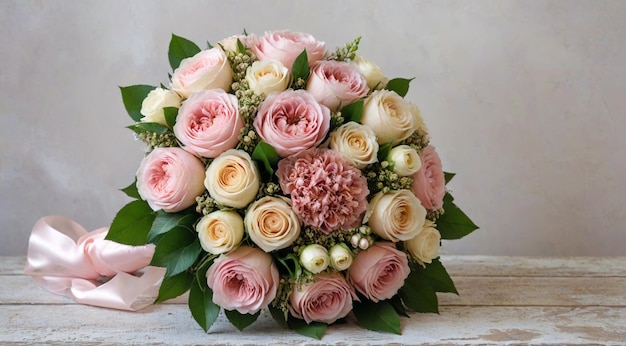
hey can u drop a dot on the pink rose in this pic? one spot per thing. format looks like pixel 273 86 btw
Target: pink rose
pixel 245 280
pixel 326 300
pixel 379 272
pixel 292 121
pixel 208 123
pixel 336 83
pixel 429 184
pixel 209 69
pixel 285 46
pixel 170 179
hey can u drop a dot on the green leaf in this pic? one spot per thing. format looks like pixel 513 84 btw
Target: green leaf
pixel 383 152
pixel 164 222
pixel 239 320
pixel 133 96
pixel 266 154
pixel 398 305
pixel 201 305
pixel 353 111
pixel 314 329
pixel 279 315
pixel 170 116
pixel 438 277
pixel 203 267
pixel 131 190
pixel 174 286
pixel 453 223
pixel 294 272
pixel 399 85
pixel 301 66
pixel 157 128
pixel 418 295
pixel 380 317
pixel 448 176
pixel 177 251
pixel 180 48
pixel 131 224
pixel 240 47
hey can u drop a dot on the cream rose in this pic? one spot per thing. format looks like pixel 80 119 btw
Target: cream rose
pixel 314 258
pixel 405 160
pixel 425 246
pixel 340 256
pixel 271 223
pixel 232 179
pixel 395 215
pixel 229 44
pixel 209 69
pixel 389 115
pixel 355 142
pixel 157 99
pixel 267 76
pixel 220 231
pixel 372 73
pixel 418 122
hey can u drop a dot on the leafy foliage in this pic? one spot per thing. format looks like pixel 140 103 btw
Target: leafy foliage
pixel 301 66
pixel 180 48
pixel 267 155
pixel 131 224
pixel 177 251
pixel 454 223
pixel 133 96
pixel 174 286
pixel 353 111
pixel 399 85
pixel 381 316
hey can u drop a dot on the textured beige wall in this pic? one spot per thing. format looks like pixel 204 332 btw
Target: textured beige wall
pixel 525 101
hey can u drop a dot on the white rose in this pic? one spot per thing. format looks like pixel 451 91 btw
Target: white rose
pixel 157 99
pixel 389 115
pixel 267 76
pixel 314 258
pixel 372 73
pixel 418 121
pixel 229 44
pixel 395 215
pixel 425 246
pixel 271 223
pixel 209 69
pixel 232 179
pixel 406 161
pixel 220 231
pixel 340 256
pixel 355 142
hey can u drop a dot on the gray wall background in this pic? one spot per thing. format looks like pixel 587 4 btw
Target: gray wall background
pixel 525 100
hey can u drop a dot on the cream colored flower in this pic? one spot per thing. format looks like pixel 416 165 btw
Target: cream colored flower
pixel 395 215
pixel 220 231
pixel 267 76
pixel 406 161
pixel 271 223
pixel 209 69
pixel 425 246
pixel 389 116
pixel 418 121
pixel 232 179
pixel 355 142
pixel 157 99
pixel 372 73
pixel 314 258
pixel 340 256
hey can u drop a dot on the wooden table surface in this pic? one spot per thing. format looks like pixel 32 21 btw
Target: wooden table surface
pixel 502 301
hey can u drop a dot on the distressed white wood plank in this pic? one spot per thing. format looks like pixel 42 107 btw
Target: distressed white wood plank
pixel 172 324
pixel 534 266
pixel 476 266
pixel 473 290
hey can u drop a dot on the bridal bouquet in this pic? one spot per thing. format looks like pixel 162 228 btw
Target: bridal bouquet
pixel 284 176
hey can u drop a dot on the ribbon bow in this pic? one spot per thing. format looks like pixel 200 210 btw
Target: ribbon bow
pixel 66 259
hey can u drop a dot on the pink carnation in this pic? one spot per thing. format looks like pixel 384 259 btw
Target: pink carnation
pixel 326 191
pixel 429 184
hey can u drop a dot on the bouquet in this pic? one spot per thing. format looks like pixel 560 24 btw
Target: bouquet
pixel 281 175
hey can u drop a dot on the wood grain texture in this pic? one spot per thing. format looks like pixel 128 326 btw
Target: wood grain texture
pixel 502 301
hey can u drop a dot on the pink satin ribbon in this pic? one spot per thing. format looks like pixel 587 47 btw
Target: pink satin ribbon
pixel 66 259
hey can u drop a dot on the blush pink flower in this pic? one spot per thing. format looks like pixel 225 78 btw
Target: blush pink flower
pixel 292 121
pixel 336 83
pixel 170 179
pixel 379 272
pixel 245 280
pixel 429 184
pixel 325 300
pixel 285 46
pixel 208 123
pixel 327 192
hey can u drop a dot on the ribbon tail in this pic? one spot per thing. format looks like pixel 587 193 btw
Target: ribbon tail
pixel 124 291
